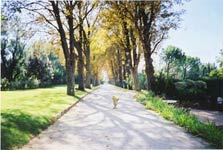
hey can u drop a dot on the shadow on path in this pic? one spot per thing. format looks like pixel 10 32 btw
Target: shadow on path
pixel 93 124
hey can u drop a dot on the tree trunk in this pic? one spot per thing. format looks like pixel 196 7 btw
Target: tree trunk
pixel 80 52
pixel 149 69
pixel 88 69
pixel 128 59
pixel 70 79
pixel 135 59
pixel 168 70
pixel 124 85
pixel 68 51
pixel 95 82
pixel 184 73
pixel 119 68
pixel 80 70
pixel 87 53
pixel 135 79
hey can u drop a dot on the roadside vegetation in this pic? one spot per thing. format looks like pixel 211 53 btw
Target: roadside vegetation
pixel 183 118
pixel 25 113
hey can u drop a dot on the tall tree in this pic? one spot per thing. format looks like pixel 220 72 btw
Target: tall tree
pixel 61 15
pixel 89 28
pixel 153 20
pixel 171 55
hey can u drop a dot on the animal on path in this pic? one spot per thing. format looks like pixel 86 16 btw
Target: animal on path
pixel 115 101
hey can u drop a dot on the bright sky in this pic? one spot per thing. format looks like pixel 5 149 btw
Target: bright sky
pixel 201 31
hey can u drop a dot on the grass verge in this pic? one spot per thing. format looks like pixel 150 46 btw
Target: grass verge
pixel 179 116
pixel 25 113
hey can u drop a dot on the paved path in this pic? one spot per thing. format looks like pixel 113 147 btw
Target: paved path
pixel 209 116
pixel 94 125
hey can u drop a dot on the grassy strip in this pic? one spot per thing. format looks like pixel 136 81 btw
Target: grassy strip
pixel 209 132
pixel 25 113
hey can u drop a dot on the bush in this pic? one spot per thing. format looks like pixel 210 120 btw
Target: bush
pixel 4 84
pixel 214 87
pixel 164 86
pixel 142 81
pixel 191 91
pixel 33 83
pixel 18 85
pixel 14 85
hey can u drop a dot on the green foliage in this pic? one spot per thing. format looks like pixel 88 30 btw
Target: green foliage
pixel 33 83
pixel 205 69
pixel 41 69
pixel 220 60
pixel 25 113
pixel 179 116
pixel 12 56
pixel 25 83
pixel 59 72
pixel 190 90
pixel 214 88
pixel 182 66
pixel 4 84
pixel 142 80
pixel 217 73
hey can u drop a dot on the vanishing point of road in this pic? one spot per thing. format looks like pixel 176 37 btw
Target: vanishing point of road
pixel 93 124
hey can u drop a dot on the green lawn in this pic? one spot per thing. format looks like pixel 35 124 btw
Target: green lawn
pixel 25 113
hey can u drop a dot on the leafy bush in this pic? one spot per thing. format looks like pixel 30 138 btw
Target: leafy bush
pixel 190 90
pixel 4 84
pixel 14 85
pixel 41 69
pixel 179 116
pixel 164 86
pixel 30 83
pixel 214 87
pixel 33 83
pixel 142 81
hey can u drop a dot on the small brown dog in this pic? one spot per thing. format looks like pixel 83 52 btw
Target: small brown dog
pixel 115 101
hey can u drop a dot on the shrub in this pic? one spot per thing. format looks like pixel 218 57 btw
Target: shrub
pixel 192 91
pixel 14 85
pixel 4 84
pixel 33 83
pixel 142 81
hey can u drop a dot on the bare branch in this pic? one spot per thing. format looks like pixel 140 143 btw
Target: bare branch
pixel 158 42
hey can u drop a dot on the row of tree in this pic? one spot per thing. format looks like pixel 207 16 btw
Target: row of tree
pixel 136 27
pixel 72 24
pixel 131 30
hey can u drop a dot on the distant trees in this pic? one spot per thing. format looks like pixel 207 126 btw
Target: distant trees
pixel 25 65
pixel 12 48
pixel 181 66
pixel 139 27
pixel 171 56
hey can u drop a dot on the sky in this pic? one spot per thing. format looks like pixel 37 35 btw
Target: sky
pixel 201 31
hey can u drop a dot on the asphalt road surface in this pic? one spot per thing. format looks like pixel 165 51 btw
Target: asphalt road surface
pixel 93 124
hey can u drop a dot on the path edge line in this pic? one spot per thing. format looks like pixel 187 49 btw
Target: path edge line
pixel 63 112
